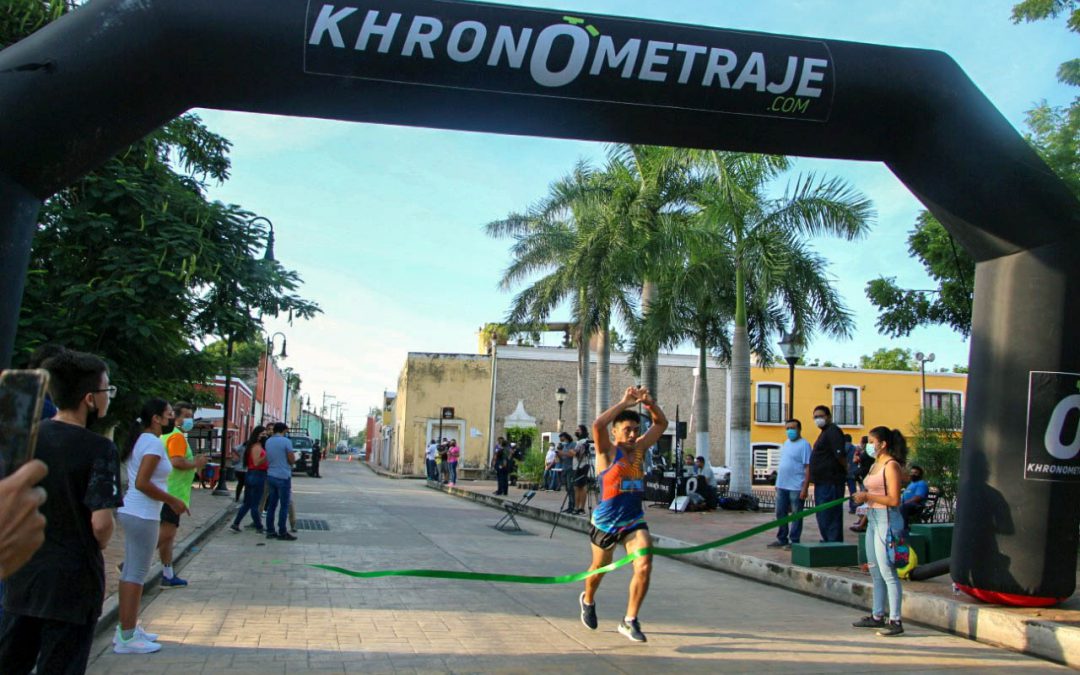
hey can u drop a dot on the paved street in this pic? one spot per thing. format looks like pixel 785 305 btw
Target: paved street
pixel 254 607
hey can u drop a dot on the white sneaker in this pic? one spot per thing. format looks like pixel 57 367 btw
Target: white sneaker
pixel 138 644
pixel 150 637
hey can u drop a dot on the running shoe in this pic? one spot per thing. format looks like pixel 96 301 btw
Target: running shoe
pixel 632 630
pixel 271 535
pixel 776 544
pixel 149 637
pixel 175 582
pixel 138 644
pixel 588 613
pixel 870 622
pixel 892 630
pixel 235 528
pixel 286 537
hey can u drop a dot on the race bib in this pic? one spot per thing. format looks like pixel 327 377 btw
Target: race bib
pixel 632 485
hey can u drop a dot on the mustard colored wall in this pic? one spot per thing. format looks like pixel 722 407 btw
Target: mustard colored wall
pixel 888 398
pixel 426 384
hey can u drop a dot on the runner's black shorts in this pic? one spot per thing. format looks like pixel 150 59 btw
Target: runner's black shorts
pixel 169 516
pixel 608 540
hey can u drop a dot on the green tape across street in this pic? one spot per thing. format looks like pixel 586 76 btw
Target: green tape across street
pixel 571 578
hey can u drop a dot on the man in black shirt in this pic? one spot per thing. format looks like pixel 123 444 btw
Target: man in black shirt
pixel 53 603
pixel 828 471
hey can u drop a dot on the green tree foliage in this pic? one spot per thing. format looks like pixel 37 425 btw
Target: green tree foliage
pixel 245 354
pixel 901 311
pixel 135 264
pixel 19 18
pixel 936 440
pixel 889 359
pixel 1054 132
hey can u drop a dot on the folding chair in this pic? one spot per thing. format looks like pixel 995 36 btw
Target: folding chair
pixel 512 509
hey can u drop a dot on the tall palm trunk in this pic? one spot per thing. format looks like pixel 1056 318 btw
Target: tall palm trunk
pixel 701 406
pixel 583 416
pixel 739 454
pixel 650 371
pixel 603 368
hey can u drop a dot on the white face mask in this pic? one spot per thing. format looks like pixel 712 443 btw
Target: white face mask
pixel 820 422
pixel 871 449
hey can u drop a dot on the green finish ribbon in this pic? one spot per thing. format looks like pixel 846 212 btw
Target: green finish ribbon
pixel 571 578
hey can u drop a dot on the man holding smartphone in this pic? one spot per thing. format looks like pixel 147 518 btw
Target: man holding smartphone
pixel 53 603
pixel 184 465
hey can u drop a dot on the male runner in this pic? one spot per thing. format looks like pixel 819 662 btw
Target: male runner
pixel 619 517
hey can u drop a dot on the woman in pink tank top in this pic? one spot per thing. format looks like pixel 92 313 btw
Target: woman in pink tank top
pixel 883 524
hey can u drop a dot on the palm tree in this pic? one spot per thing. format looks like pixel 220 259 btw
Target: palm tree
pixel 571 237
pixel 695 302
pixel 778 281
pixel 651 189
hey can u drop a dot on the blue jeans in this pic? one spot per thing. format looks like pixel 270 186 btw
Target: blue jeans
pixel 280 491
pixel 254 484
pixel 830 521
pixel 432 470
pixel 453 472
pixel 882 570
pixel 788 502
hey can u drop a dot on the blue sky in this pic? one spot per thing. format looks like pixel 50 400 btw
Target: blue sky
pixel 385 223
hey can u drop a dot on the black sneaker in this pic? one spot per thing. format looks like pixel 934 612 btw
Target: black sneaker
pixel 870 622
pixel 775 544
pixel 892 630
pixel 632 630
pixel 271 535
pixel 286 537
pixel 235 528
pixel 588 612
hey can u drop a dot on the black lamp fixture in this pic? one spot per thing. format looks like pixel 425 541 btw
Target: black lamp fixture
pixel 560 398
pixel 793 349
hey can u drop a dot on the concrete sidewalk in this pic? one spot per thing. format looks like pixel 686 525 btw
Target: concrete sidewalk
pixel 1050 633
pixel 207 511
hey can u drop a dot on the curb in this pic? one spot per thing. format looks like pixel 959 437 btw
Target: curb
pixel 379 471
pixel 110 609
pixel 1050 640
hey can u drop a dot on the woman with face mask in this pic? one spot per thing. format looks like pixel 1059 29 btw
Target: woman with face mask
pixel 148 471
pixel 884 525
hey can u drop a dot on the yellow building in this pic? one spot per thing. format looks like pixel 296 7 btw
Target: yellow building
pixel 428 384
pixel 859 399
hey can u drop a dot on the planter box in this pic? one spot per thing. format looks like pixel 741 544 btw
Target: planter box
pixel 831 554
pixel 938 537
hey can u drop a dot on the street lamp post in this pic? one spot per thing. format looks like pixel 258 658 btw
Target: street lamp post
pixel 923 360
pixel 266 368
pixel 793 350
pixel 560 398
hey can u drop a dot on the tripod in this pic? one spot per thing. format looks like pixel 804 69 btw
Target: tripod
pixel 590 488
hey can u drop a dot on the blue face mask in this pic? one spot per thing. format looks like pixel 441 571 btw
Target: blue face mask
pixel 187 425
pixel 792 434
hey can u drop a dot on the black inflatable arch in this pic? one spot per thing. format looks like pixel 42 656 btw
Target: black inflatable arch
pixel 113 70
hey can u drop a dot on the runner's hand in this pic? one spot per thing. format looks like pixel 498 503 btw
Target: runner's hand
pixel 630 396
pixel 22 527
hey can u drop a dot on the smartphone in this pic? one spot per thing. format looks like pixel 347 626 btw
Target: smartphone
pixel 22 394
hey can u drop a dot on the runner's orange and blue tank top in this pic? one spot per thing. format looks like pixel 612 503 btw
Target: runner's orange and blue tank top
pixel 622 487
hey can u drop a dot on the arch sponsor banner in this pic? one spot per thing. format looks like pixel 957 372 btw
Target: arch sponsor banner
pixel 1053 431
pixel 528 52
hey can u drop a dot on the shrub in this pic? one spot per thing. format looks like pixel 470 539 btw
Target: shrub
pixel 936 439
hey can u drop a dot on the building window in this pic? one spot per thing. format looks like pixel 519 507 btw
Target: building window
pixel 948 403
pixel 770 405
pixel 846 410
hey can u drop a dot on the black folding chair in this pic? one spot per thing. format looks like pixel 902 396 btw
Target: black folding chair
pixel 512 509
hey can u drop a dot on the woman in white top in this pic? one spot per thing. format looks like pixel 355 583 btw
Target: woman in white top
pixel 148 469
